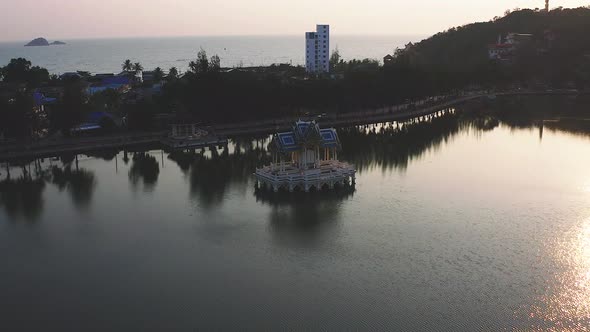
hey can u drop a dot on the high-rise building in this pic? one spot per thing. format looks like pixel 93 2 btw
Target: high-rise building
pixel 317 50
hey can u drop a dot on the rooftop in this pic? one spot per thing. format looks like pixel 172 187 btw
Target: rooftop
pixel 305 134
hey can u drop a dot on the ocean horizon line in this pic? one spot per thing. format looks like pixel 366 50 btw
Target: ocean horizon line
pixel 210 36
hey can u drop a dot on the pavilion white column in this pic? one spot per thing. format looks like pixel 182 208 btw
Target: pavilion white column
pixel 317 157
pixel 304 159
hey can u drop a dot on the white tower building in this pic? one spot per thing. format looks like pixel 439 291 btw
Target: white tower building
pixel 317 50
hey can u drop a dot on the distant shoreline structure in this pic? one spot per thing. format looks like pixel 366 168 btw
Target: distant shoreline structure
pixel 43 42
pixel 172 52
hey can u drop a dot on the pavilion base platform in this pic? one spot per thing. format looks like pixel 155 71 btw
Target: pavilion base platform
pixel 288 176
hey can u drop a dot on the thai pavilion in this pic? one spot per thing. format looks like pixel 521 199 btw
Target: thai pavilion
pixel 305 157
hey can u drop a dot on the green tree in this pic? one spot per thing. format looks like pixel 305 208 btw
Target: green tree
pixel 71 110
pixel 17 116
pixel 201 65
pixel 16 70
pixel 334 59
pixel 158 74
pixel 137 67
pixel 215 63
pixel 21 71
pixel 173 73
pixel 127 65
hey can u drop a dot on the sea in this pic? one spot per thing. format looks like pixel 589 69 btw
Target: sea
pixel 107 55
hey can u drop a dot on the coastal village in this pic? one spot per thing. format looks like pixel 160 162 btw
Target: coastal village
pixel 81 103
pixel 107 93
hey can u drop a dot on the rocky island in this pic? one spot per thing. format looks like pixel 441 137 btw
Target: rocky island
pixel 43 42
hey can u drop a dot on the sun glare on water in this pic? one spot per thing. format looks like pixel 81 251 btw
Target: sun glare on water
pixel 566 304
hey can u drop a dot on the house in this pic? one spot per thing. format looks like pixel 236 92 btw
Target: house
pixel 388 59
pixel 151 76
pixel 41 101
pixel 121 84
pixel 505 50
pixel 136 77
pixel 70 75
pixel 500 52
pixel 96 121
pixel 143 93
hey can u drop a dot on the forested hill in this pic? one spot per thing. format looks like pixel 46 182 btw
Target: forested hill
pixel 467 46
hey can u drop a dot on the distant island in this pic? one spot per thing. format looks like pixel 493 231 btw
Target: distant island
pixel 43 42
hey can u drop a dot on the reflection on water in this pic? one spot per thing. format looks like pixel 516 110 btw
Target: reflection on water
pixel 565 303
pixel 575 126
pixel 22 197
pixel 566 114
pixel 210 174
pixel 106 154
pixel 144 170
pixel 302 218
pixel 79 183
pixel 394 145
pixel 475 225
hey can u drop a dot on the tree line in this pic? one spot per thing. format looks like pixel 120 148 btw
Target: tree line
pixel 446 62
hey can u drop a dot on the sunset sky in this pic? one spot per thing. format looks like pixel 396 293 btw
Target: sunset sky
pixel 67 19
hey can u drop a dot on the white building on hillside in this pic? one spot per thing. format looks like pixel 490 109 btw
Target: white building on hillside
pixel 317 50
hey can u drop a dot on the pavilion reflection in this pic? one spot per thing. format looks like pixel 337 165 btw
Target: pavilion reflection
pixel 304 219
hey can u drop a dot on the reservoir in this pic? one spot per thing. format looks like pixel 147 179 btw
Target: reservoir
pixel 478 219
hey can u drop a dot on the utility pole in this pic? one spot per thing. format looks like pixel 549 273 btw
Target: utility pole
pixel 547 6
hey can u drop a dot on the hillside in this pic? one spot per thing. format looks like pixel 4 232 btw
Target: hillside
pixel 466 47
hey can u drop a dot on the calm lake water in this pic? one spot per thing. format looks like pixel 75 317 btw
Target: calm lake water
pixel 107 55
pixel 464 223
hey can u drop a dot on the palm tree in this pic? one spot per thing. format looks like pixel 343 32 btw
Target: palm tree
pixel 173 73
pixel 137 67
pixel 127 65
pixel 158 74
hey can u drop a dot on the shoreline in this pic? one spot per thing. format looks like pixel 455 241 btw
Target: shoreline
pixel 51 147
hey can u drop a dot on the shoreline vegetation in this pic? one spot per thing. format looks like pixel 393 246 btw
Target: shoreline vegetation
pixel 387 146
pixel 423 112
pixel 35 105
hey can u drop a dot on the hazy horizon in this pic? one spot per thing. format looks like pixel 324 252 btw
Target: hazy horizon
pixel 288 35
pixel 88 19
